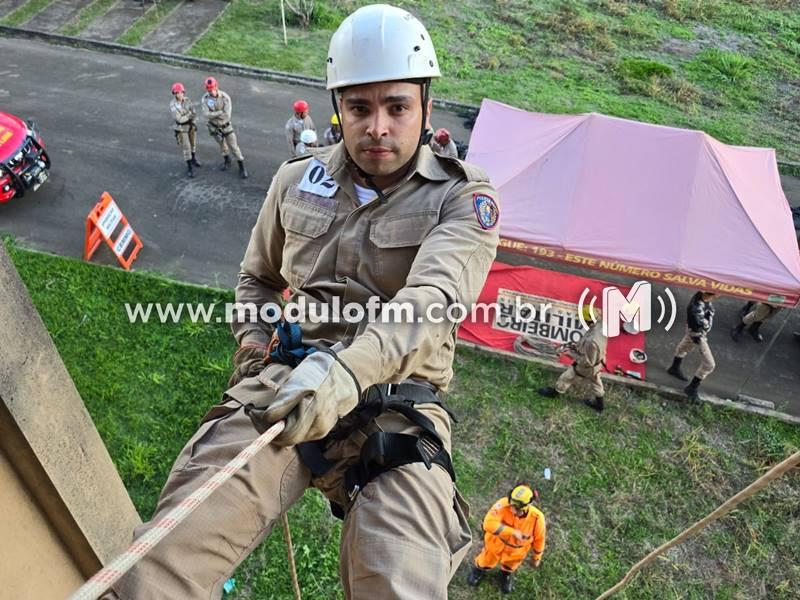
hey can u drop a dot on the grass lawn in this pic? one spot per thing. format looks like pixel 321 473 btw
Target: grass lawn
pixel 83 19
pixel 148 22
pixel 25 12
pixel 623 483
pixel 730 68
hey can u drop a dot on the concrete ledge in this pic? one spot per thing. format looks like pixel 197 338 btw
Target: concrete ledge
pixel 753 405
pixel 50 438
pixel 197 63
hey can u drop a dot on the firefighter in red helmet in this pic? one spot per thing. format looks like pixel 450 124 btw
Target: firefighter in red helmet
pixel 185 127
pixel 299 122
pixel 217 109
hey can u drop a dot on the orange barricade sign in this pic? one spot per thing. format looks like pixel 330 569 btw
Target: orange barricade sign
pixel 104 220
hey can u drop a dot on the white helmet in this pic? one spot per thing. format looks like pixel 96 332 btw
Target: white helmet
pixel 380 43
pixel 308 136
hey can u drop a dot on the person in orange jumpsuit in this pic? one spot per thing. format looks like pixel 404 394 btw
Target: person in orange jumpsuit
pixel 513 527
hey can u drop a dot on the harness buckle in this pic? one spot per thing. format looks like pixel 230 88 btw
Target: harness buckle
pixel 353 492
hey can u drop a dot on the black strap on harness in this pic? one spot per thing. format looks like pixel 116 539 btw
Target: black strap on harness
pixel 383 451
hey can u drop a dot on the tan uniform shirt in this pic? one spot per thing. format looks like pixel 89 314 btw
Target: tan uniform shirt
pixel 294 127
pixel 217 111
pixel 591 352
pixel 183 113
pixel 426 244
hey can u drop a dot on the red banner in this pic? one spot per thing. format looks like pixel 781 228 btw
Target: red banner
pixel 653 275
pixel 551 322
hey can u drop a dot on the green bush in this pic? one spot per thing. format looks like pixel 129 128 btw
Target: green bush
pixel 731 66
pixel 642 69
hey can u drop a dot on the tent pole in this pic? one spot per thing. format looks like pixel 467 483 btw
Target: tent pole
pixel 766 350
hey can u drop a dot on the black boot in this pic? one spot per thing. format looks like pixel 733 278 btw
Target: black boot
pixel 691 389
pixel 754 332
pixel 226 163
pixel 506 582
pixel 242 170
pixel 475 576
pixel 194 161
pixel 595 403
pixel 548 392
pixel 189 171
pixel 675 369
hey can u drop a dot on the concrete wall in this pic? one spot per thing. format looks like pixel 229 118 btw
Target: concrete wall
pixel 35 563
pixel 58 479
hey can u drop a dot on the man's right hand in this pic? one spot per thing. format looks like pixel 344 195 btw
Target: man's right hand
pixel 248 361
pixel 520 536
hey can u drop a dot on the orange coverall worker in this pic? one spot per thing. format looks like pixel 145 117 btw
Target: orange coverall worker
pixel 501 545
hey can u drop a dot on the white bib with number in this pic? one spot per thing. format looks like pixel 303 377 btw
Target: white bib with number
pixel 317 181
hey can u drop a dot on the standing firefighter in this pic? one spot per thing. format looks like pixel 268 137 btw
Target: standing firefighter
pixel 699 320
pixel 512 528
pixel 589 356
pixel 217 108
pixel 753 314
pixel 377 217
pixel 182 111
pixel 308 139
pixel 333 134
pixel 299 122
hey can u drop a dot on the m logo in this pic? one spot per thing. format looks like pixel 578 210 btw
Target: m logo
pixel 633 308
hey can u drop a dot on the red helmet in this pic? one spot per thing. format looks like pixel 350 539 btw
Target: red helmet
pixel 177 87
pixel 300 106
pixel 211 83
pixel 442 136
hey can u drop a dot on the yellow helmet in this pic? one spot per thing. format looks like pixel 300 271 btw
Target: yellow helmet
pixel 521 496
pixel 334 120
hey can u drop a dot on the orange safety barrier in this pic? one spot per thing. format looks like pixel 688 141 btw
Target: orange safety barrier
pixel 103 220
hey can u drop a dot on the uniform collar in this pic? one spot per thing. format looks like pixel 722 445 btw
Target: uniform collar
pixel 427 163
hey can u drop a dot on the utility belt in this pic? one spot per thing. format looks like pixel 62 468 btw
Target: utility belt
pixel 191 124
pixel 382 451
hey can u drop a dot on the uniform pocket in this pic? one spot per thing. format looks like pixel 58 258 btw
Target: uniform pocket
pixel 395 241
pixel 305 225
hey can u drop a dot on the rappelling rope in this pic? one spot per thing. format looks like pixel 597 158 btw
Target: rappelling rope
pixel 722 510
pixel 290 551
pixel 106 577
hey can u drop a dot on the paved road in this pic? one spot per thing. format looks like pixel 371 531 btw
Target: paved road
pixel 107 126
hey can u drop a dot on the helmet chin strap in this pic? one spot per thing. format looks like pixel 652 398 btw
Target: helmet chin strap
pixel 425 93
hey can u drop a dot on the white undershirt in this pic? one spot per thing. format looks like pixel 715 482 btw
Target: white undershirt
pixel 364 194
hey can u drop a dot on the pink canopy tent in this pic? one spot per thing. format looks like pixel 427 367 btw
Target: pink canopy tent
pixel 669 205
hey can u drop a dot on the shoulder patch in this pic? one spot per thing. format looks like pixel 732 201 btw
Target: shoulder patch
pixel 486 209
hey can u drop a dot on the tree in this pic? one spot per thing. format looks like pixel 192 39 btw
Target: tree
pixel 303 9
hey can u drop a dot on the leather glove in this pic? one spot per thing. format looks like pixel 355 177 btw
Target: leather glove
pixel 317 393
pixel 248 361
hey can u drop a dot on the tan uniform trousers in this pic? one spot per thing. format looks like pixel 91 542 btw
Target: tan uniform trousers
pixel 687 344
pixel 187 141
pixel 228 143
pixel 403 536
pixel 759 313
pixel 571 376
